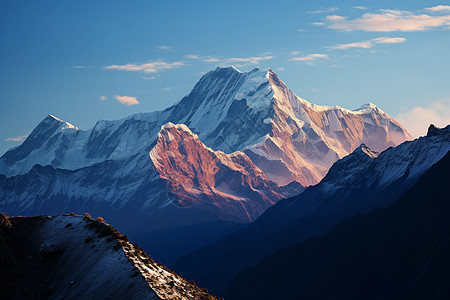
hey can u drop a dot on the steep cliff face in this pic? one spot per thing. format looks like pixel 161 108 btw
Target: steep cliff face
pixel 226 183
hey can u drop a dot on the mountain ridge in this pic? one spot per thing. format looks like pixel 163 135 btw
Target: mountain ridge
pixel 71 256
pixel 287 137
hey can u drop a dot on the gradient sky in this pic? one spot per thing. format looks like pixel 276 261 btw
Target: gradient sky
pixel 83 61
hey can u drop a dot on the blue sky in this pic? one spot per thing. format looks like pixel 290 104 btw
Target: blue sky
pixel 83 61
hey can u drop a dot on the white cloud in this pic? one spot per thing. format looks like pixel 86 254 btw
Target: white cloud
pixel 280 69
pixel 17 138
pixel 369 43
pixel 149 77
pixel 365 44
pixel 360 7
pixel 417 120
pixel 388 20
pixel 253 60
pixel 165 48
pixel 127 100
pixel 388 40
pixel 211 60
pixel 439 8
pixel 166 89
pixel 150 67
pixel 335 18
pixel 102 98
pixel 310 59
pixel 245 60
pixel 192 56
pixel 79 67
pixel 322 10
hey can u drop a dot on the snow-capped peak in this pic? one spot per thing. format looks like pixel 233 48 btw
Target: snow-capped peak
pixel 201 176
pixel 57 119
pixel 182 127
pixel 229 110
pixel 234 68
pixel 64 125
pixel 367 106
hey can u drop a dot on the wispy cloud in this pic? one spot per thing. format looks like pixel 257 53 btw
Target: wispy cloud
pixel 230 60
pixel 252 60
pixel 165 48
pixel 364 44
pixel 166 89
pixel 150 67
pixel 102 98
pixel 388 20
pixel 192 56
pixel 388 40
pixel 417 119
pixel 439 8
pixel 368 44
pixel 149 77
pixel 360 7
pixel 127 100
pixel 211 60
pixel 17 138
pixel 81 67
pixel 310 59
pixel 322 10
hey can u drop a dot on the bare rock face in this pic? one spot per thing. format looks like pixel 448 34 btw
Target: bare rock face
pixel 213 180
pixel 74 257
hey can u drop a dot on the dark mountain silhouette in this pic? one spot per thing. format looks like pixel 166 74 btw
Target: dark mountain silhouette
pixel 399 252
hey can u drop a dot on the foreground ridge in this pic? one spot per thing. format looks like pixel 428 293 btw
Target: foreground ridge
pixel 71 256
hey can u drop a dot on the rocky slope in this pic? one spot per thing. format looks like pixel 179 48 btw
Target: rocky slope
pixel 199 176
pixel 73 257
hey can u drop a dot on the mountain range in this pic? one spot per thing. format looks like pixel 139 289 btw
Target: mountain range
pixel 217 159
pixel 358 183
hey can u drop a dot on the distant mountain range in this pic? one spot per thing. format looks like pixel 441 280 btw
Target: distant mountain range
pixel 247 142
pixel 356 184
